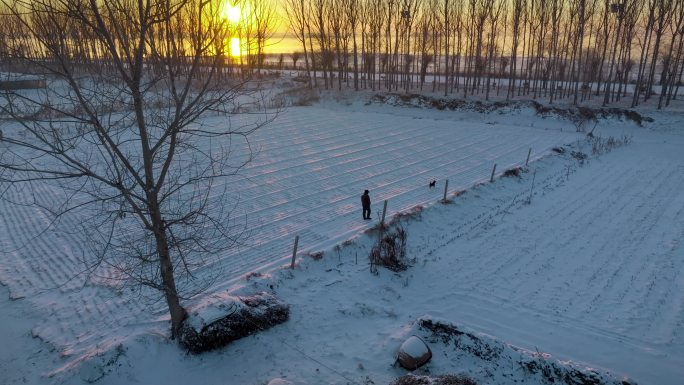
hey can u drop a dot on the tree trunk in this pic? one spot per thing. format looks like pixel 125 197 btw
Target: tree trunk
pixel 177 312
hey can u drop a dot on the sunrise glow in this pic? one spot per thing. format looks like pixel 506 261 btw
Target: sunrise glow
pixel 235 47
pixel 232 13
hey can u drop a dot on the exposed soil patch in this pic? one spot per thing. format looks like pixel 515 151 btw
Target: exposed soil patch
pixel 512 362
pixel 447 379
pixel 511 172
pixel 575 114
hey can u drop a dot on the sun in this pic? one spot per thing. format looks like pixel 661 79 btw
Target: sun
pixel 232 13
pixel 235 47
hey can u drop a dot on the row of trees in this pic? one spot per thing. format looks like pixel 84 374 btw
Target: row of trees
pixel 572 49
pixel 256 24
pixel 252 23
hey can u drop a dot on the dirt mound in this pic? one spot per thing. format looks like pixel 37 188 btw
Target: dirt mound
pixel 235 318
pixel 574 113
pixel 447 379
pixel 509 361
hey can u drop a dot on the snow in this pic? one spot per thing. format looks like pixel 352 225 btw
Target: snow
pixel 414 347
pixel 13 76
pixel 215 307
pixel 279 381
pixel 585 265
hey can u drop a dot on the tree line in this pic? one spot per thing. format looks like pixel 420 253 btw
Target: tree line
pixel 574 50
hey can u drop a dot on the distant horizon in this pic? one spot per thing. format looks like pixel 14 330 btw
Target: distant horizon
pixel 284 42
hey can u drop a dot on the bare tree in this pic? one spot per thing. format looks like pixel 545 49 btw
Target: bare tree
pixel 446 19
pixel 673 55
pixel 631 15
pixel 295 56
pixel 7 32
pixel 120 133
pixel 338 28
pixel 516 21
pixel 351 8
pixel 424 40
pixel 408 10
pixel 555 13
pixel 318 15
pixel 678 68
pixel 457 43
pixel 581 12
pixel 619 9
pixel 644 51
pixel 472 58
pixel 662 19
pixel 299 20
pixel 261 22
pixel 372 24
pixel 494 10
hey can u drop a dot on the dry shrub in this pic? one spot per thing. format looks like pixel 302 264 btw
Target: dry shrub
pixel 301 79
pixel 279 102
pixel 513 172
pixel 316 256
pixel 390 251
pixel 253 274
pixel 300 96
pixel 579 156
pixel 601 145
pixel 451 379
pixel 413 213
pixel 410 379
pixel 583 117
pixel 306 98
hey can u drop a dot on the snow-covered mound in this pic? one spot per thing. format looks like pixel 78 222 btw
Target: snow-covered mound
pixel 496 362
pixel 231 318
pixel 414 353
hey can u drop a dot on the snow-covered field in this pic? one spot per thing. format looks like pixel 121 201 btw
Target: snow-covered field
pixel 591 270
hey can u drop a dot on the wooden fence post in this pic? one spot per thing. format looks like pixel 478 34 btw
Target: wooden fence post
pixel 491 179
pixel 384 211
pixel 446 186
pixel 528 156
pixel 294 252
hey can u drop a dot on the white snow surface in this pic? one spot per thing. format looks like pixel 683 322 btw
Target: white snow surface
pixel 414 347
pixel 582 262
pixel 217 307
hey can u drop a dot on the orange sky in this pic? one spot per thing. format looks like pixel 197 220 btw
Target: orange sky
pixel 281 41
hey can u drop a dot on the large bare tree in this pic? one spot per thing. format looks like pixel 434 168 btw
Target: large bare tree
pixel 119 130
pixel 298 18
pixel 263 24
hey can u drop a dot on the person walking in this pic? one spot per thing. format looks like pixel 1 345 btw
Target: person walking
pixel 365 203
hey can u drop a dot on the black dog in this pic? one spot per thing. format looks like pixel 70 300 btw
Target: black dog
pixel 432 184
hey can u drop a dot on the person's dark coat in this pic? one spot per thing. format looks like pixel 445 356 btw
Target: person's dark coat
pixel 365 203
pixel 365 200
